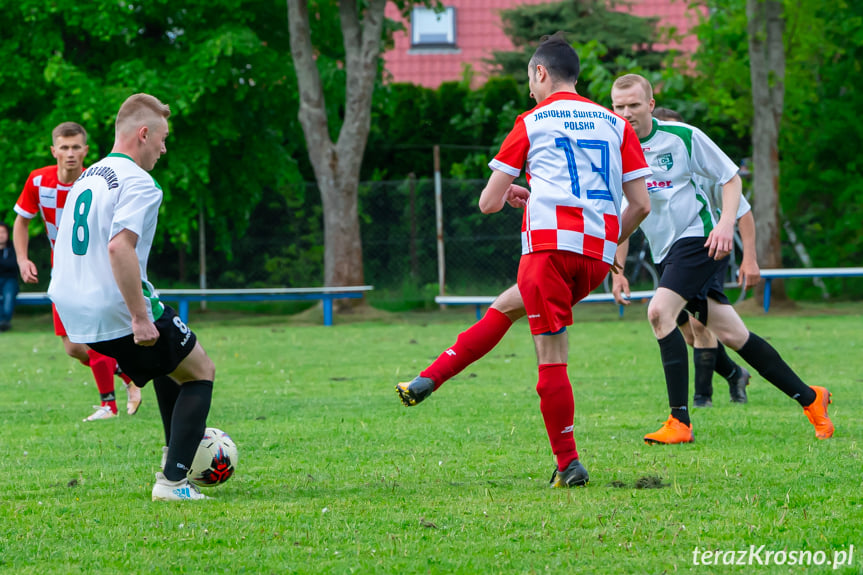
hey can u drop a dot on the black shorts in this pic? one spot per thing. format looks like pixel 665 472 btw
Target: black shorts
pixel 176 341
pixel 689 272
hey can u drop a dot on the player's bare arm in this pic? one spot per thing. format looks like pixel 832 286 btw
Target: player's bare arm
pixel 619 283
pixel 127 274
pixel 749 273
pixel 21 239
pixel 637 209
pixel 721 239
pixel 494 195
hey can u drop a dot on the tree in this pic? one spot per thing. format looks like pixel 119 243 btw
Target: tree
pixel 767 71
pixel 337 164
pixel 624 39
pixel 217 64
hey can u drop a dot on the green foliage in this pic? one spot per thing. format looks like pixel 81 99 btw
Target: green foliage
pixel 622 35
pixel 219 66
pixel 819 192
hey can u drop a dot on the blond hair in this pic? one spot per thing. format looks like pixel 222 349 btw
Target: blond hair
pixel 140 110
pixel 68 130
pixel 630 80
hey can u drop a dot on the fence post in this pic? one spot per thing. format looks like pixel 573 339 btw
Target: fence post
pixel 412 184
pixel 438 204
pixel 202 251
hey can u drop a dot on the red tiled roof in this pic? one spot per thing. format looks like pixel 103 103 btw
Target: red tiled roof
pixel 479 33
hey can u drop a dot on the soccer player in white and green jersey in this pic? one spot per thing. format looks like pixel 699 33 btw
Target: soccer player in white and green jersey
pixel 708 354
pixel 691 250
pixel 99 285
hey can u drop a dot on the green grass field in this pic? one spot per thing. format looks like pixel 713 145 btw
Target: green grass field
pixel 335 476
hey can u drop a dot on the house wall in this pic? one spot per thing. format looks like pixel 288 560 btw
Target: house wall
pixel 479 33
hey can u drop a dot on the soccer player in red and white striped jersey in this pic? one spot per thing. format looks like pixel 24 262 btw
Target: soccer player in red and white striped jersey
pixel 45 193
pixel 580 160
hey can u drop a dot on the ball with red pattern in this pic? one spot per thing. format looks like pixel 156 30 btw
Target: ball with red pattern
pixel 215 459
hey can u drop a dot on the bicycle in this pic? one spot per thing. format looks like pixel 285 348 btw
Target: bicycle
pixel 638 268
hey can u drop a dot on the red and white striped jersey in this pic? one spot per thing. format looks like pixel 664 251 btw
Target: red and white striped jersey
pixel 45 193
pixel 576 155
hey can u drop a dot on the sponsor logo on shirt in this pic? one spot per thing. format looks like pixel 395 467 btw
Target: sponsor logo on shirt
pixel 659 185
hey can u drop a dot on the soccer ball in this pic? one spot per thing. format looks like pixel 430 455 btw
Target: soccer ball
pixel 215 460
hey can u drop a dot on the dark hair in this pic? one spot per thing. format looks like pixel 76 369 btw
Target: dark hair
pixel 68 130
pixel 667 114
pixel 8 230
pixel 558 57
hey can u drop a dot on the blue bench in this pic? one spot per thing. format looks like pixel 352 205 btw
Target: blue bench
pixel 183 296
pixel 480 301
pixel 769 275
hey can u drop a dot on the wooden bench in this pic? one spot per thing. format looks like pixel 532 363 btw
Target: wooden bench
pixel 183 296
pixel 769 275
pixel 480 301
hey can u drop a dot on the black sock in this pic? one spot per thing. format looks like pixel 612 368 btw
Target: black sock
pixel 675 362
pixel 167 392
pixel 705 362
pixel 187 426
pixel 106 397
pixel 725 366
pixel 766 360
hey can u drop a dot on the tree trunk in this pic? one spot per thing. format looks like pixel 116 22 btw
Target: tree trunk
pixel 767 69
pixel 337 165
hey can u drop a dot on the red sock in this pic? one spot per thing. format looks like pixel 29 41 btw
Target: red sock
pixel 558 411
pixel 102 367
pixel 117 371
pixel 471 344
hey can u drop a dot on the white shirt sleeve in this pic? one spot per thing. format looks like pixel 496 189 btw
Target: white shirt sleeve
pixel 135 206
pixel 709 161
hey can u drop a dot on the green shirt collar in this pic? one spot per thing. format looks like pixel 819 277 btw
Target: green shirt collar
pixel 654 126
pixel 116 155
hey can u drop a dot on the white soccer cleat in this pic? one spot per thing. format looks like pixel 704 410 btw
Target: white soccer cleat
pixel 181 490
pixel 102 412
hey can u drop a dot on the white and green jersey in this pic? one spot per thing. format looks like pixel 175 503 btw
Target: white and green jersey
pixel 679 208
pixel 714 193
pixel 113 195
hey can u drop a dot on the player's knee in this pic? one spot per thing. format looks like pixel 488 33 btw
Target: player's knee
pixel 77 351
pixel 208 369
pixel 510 303
pixel 655 316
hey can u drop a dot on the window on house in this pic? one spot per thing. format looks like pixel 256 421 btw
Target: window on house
pixel 430 29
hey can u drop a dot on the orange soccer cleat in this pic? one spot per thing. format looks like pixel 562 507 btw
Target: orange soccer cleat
pixel 672 431
pixel 817 413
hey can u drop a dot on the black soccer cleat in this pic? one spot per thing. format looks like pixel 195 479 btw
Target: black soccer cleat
pixel 575 475
pixel 413 392
pixel 702 401
pixel 737 385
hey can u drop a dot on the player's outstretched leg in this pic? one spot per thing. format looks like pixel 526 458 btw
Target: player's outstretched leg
pixel 471 345
pixel 770 365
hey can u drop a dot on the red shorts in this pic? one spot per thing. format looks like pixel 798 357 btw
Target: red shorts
pixel 58 325
pixel 553 281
